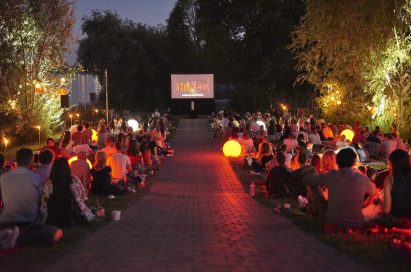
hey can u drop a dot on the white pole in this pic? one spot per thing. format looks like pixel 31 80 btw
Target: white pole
pixel 106 77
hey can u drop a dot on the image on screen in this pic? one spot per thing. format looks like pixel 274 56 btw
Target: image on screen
pixel 192 86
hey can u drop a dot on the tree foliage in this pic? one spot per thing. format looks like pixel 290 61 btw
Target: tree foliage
pixel 243 43
pixel 135 56
pixel 33 39
pixel 360 48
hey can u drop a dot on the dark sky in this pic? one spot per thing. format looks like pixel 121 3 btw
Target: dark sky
pixel 151 12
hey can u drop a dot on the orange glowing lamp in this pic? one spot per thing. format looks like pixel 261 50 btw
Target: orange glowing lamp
pixel 72 159
pixel 348 133
pixel 232 149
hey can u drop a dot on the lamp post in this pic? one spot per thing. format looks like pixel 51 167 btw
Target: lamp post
pixel 39 127
pixel 96 111
pixel 71 119
pixel 78 116
pixel 6 141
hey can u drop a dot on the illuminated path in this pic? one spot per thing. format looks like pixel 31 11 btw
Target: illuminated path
pixel 197 217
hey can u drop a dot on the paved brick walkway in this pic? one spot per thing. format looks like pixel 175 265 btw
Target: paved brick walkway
pixel 197 217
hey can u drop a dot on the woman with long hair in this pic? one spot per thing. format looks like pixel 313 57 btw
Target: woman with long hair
pixel 397 186
pixel 101 174
pixel 63 197
pixel 318 195
pixel 102 135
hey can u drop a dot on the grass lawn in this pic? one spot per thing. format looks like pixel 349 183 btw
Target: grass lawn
pixel 369 249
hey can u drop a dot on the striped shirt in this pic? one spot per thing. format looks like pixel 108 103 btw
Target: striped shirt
pixel 21 191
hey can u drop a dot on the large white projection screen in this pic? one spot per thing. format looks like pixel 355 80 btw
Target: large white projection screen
pixel 192 86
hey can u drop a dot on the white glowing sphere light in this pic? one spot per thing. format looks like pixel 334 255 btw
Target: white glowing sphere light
pixel 133 123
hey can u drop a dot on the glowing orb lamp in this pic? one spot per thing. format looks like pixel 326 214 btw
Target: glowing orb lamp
pixel 348 133
pixel 75 159
pixel 133 123
pixel 232 149
pixel 94 137
pixel 261 123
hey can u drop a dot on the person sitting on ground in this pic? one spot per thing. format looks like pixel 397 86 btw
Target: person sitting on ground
pixel 74 127
pixel 102 135
pixel 290 142
pixel 63 199
pixel 296 185
pixel 21 191
pixel 341 143
pixel 304 134
pixel 390 144
pixel 318 195
pixel 288 156
pixel 301 141
pixel 247 143
pixel 135 156
pixel 81 169
pixel 274 183
pixel 264 155
pixel 397 186
pixel 101 174
pixel 109 149
pixel 120 165
pixel 271 131
pixel 314 137
pixel 328 132
pixel 347 190
pixel 67 144
pixel 87 134
pixel 77 136
pixel 46 159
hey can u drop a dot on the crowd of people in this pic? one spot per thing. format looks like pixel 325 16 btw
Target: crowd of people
pixel 42 193
pixel 306 158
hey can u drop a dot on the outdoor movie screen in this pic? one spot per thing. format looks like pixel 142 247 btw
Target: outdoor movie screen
pixel 192 86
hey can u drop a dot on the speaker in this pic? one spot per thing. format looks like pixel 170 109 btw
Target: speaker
pixel 64 101
pixel 92 97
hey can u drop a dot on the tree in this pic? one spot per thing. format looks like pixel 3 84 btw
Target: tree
pixel 135 56
pixel 33 39
pixel 360 48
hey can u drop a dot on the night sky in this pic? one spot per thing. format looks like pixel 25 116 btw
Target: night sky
pixel 149 12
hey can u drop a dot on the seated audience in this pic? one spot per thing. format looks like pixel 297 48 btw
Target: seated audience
pixel 77 136
pixel 274 183
pixel 120 165
pixel 314 137
pixel 295 184
pixel 102 135
pixel 347 190
pixel 318 195
pixel 291 142
pixel 80 168
pixel 87 134
pixel 264 155
pixel 109 149
pixel 101 174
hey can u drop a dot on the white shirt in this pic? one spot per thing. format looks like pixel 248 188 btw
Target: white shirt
pixel 315 139
pixel 118 163
pixel 83 147
pixel 291 144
